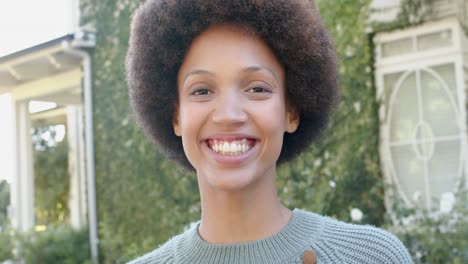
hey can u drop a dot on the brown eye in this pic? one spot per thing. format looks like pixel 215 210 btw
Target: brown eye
pixel 258 89
pixel 201 91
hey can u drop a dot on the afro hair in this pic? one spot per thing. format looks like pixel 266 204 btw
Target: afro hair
pixel 162 31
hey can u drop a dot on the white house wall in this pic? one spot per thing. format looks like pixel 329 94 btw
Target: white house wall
pixel 406 62
pixel 444 8
pixel 387 10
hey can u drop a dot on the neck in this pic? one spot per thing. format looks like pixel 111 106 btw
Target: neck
pixel 237 216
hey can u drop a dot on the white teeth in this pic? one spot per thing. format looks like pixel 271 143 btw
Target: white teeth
pixel 226 147
pixel 230 148
pixel 233 147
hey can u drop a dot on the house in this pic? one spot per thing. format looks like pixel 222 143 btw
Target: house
pixel 421 75
pixel 58 72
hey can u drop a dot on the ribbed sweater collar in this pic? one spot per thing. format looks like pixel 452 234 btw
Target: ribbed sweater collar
pixel 303 229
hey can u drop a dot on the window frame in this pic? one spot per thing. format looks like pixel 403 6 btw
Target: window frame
pixel 417 61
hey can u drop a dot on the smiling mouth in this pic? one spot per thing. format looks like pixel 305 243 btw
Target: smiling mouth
pixel 232 147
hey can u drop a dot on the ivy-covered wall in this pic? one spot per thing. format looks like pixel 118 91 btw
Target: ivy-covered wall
pixel 144 199
pixel 341 171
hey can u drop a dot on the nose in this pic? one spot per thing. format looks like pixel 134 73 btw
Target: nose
pixel 230 110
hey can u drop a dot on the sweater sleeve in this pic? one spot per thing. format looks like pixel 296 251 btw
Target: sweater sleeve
pixel 362 244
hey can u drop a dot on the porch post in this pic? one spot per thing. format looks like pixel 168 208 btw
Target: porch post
pixel 76 167
pixel 22 187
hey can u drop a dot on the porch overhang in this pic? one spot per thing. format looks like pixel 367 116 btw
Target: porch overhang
pixel 56 71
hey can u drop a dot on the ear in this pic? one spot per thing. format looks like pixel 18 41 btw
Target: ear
pixel 176 121
pixel 292 119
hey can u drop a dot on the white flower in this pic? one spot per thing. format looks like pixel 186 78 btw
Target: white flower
pixel 416 196
pixel 356 215
pixel 447 201
pixel 406 221
pixel 332 184
pixel 339 28
pixel 357 107
pixel 317 163
pixel 349 51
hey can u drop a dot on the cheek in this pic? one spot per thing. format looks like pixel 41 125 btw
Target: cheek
pixel 270 120
pixel 192 120
pixel 189 128
pixel 271 117
pixel 189 119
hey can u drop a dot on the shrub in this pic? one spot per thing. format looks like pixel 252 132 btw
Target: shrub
pixel 4 201
pixel 6 244
pixel 56 245
pixel 435 236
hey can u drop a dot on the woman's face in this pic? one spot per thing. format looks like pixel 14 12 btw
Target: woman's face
pixel 231 111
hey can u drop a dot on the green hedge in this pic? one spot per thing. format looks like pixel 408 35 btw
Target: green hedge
pixel 6 244
pixel 4 202
pixel 435 237
pixel 59 244
pixel 142 198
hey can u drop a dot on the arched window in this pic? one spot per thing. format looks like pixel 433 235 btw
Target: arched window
pixel 420 80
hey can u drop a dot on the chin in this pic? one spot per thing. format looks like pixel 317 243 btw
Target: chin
pixel 229 179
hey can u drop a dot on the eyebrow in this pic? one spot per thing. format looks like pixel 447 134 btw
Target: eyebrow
pixel 261 68
pixel 248 69
pixel 195 72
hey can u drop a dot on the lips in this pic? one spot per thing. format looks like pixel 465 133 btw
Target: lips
pixel 231 146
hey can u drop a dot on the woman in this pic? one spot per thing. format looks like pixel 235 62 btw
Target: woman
pixel 230 89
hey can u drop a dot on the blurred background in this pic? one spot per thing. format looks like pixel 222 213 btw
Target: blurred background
pixel 79 182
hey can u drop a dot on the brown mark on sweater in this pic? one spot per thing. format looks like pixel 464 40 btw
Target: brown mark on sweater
pixel 309 257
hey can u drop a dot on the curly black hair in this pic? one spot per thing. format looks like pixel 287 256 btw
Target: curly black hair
pixel 162 31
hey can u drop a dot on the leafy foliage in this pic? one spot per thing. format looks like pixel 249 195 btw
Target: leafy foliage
pixel 51 178
pixel 342 167
pixel 412 12
pixel 4 202
pixel 435 237
pixel 6 244
pixel 56 245
pixel 60 244
pixel 142 198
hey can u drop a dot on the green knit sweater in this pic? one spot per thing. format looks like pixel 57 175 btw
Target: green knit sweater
pixel 331 240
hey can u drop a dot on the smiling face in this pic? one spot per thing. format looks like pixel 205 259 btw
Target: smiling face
pixel 232 111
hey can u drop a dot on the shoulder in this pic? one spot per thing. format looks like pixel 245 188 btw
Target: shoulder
pixel 363 243
pixel 162 254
